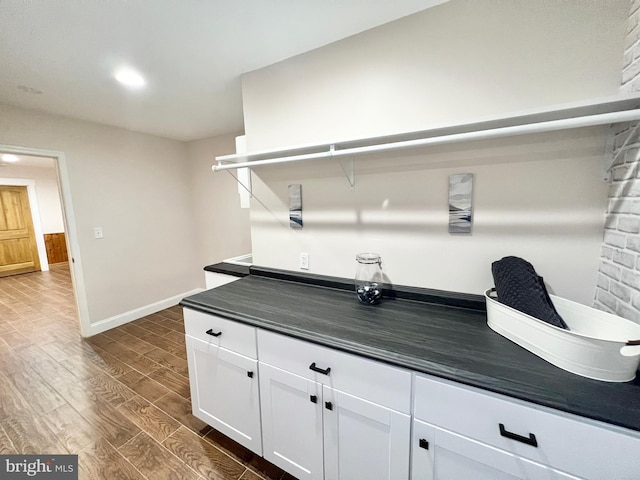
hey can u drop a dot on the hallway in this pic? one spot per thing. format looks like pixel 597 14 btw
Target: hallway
pixel 120 399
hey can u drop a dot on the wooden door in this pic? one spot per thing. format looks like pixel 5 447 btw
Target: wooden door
pixel 18 249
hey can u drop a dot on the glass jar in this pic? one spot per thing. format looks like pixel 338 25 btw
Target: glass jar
pixel 369 278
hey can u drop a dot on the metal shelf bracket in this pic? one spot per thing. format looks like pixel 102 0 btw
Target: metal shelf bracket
pixel 350 171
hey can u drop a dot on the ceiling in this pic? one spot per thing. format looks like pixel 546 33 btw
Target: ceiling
pixel 59 56
pixel 27 161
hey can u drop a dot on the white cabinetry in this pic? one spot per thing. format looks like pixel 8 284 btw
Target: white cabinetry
pixel 223 376
pixel 463 432
pixel 331 415
pixel 320 413
pixel 363 439
pixel 292 422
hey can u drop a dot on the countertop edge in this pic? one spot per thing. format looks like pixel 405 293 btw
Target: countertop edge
pixel 229 269
pixel 401 292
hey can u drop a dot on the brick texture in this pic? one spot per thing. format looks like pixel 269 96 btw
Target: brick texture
pixel 618 288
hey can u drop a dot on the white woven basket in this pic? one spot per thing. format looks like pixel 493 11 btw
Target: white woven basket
pixel 597 345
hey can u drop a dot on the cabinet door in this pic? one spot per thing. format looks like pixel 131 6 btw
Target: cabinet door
pixel 224 392
pixel 292 422
pixel 363 439
pixel 442 455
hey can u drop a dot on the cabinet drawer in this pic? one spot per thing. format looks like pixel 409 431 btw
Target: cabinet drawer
pixel 377 382
pixel 567 442
pixel 228 334
pixel 448 455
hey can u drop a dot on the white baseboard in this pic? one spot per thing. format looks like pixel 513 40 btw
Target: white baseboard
pixel 126 317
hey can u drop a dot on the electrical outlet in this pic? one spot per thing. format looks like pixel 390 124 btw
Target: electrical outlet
pixel 97 232
pixel 304 261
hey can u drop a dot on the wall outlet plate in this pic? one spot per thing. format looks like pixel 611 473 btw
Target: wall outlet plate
pixel 304 261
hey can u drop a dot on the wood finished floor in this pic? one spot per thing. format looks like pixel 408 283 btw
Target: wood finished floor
pixel 120 399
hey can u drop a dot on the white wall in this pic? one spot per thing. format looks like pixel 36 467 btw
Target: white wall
pixel 137 188
pixel 461 60
pixel 223 227
pixel 46 191
pixel 539 197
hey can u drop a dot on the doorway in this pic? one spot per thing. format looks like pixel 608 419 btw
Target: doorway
pixel 61 196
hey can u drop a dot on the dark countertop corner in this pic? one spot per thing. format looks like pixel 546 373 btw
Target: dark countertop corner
pixel 229 269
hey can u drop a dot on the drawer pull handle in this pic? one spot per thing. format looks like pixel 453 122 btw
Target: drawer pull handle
pixel 423 444
pixel 328 405
pixel 313 398
pixel 250 374
pixel 530 440
pixel 212 333
pixel 319 370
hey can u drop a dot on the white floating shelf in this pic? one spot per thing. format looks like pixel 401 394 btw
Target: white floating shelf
pixel 605 111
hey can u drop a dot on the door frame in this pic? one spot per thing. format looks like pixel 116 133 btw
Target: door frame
pixel 35 215
pixel 73 249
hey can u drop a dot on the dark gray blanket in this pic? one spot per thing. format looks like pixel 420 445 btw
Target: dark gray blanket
pixel 520 287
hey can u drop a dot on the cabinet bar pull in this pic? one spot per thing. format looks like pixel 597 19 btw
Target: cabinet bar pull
pixel 313 398
pixel 319 370
pixel 328 405
pixel 423 444
pixel 212 333
pixel 250 374
pixel 530 440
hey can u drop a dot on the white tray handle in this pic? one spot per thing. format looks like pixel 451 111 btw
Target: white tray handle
pixel 631 349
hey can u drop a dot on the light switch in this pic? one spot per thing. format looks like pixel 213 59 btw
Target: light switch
pixel 97 232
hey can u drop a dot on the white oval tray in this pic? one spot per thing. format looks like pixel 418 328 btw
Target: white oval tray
pixel 595 346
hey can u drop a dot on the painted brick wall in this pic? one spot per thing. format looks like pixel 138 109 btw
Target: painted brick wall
pixel 618 289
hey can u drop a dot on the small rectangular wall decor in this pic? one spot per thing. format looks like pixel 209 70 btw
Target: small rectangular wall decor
pixel 295 206
pixel 460 203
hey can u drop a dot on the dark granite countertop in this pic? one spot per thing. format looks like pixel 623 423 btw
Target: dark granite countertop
pixel 433 337
pixel 228 269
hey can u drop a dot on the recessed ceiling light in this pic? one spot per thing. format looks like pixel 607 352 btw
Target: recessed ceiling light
pixel 10 158
pixel 130 78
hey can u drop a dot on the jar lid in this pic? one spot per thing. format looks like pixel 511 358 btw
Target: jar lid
pixel 368 258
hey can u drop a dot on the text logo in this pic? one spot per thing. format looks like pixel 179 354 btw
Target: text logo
pixel 39 467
